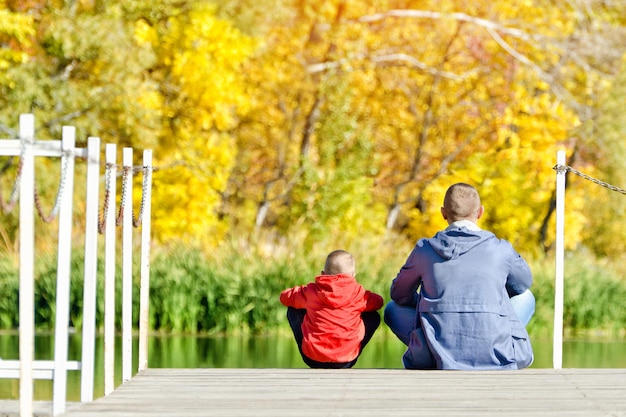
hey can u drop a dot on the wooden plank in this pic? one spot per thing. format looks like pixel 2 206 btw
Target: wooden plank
pixel 363 392
pixel 10 408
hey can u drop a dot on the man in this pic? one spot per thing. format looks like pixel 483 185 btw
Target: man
pixel 462 299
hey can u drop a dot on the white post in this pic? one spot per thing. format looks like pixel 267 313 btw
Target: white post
pixel 64 253
pixel 127 266
pixel 144 295
pixel 91 269
pixel 557 348
pixel 27 285
pixel 109 270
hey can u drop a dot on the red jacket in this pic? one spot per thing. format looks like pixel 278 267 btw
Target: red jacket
pixel 332 329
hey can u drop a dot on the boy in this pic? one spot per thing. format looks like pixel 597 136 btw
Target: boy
pixel 334 317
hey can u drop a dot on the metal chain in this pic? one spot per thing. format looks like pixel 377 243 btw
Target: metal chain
pixel 120 214
pixel 57 203
pixel 15 192
pixel 126 171
pixel 564 168
pixel 144 188
pixel 102 221
pixel 8 207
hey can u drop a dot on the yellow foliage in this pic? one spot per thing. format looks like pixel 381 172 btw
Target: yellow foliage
pixel 203 55
pixel 332 114
pixel 205 58
pixel 16 30
pixel 186 195
pixel 144 33
pixel 439 99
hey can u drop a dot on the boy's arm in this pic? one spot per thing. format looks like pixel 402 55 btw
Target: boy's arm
pixel 294 297
pixel 373 301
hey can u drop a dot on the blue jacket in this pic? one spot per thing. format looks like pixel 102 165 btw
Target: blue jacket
pixel 465 319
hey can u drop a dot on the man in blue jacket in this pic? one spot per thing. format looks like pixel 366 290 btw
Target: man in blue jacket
pixel 462 299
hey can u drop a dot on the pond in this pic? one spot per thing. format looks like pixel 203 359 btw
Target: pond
pixel 276 351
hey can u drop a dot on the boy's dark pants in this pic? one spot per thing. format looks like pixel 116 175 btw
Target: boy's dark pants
pixel 371 319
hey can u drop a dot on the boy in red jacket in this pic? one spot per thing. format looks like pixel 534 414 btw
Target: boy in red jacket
pixel 334 317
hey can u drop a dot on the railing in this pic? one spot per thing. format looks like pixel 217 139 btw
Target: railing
pixel 562 169
pixel 26 368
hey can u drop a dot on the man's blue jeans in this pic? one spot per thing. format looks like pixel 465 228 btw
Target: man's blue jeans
pixel 401 319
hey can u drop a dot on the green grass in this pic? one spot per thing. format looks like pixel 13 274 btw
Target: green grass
pixel 236 289
pixel 593 301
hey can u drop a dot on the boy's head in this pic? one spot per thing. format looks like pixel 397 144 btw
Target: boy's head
pixel 339 262
pixel 461 202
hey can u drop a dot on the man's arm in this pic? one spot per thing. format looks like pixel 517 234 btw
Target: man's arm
pixel 520 277
pixel 404 287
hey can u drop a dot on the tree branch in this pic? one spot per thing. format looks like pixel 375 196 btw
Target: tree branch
pixel 462 17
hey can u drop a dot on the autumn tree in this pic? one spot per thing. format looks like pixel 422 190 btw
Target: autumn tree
pixel 16 38
pixel 260 114
pixel 454 92
pixel 606 229
pixel 338 175
pixel 151 75
pixel 81 68
pixel 197 70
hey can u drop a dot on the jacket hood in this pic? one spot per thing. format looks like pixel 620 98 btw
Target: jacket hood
pixel 454 242
pixel 337 290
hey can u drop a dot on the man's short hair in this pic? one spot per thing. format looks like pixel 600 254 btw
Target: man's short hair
pixel 339 262
pixel 461 202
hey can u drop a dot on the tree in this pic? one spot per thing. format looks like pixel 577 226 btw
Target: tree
pixel 338 174
pixel 257 119
pixel 151 75
pixel 16 35
pixel 605 233
pixel 484 93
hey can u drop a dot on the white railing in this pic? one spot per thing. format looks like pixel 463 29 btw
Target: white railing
pixel 562 169
pixel 557 344
pixel 26 368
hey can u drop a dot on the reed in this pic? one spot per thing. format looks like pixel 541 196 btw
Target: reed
pixel 594 291
pixel 236 288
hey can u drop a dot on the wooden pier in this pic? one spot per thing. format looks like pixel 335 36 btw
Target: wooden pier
pixel 363 393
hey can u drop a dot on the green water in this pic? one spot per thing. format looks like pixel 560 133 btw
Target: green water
pixel 184 351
